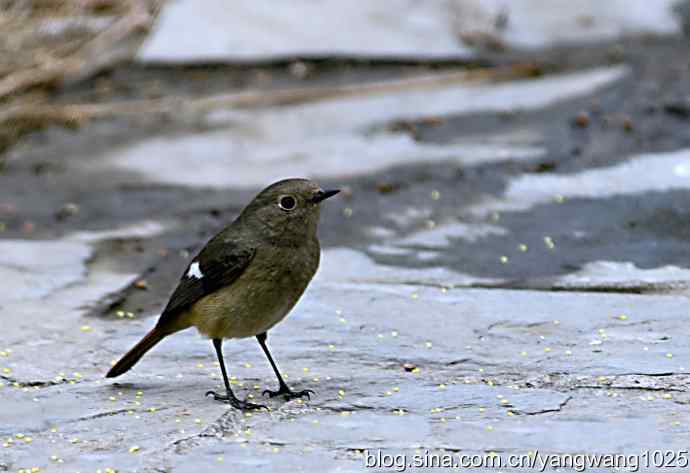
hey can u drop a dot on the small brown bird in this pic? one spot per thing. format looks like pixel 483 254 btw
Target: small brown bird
pixel 246 279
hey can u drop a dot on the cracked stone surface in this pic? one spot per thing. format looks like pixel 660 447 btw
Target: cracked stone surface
pixel 499 277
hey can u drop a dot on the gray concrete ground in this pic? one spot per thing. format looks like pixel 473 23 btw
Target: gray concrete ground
pixel 506 274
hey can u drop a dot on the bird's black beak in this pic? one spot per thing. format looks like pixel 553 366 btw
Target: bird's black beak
pixel 323 195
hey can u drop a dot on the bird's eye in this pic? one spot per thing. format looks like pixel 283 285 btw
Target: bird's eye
pixel 287 202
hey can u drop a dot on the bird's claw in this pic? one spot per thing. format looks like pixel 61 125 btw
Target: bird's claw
pixel 234 402
pixel 289 394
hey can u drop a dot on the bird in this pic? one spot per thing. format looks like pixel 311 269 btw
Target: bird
pixel 246 279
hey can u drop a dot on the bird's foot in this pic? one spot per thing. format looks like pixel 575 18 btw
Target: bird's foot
pixel 234 402
pixel 288 393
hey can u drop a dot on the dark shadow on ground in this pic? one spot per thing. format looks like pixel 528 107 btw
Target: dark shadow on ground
pixel 649 230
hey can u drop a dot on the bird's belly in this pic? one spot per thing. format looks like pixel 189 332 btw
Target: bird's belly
pixel 244 310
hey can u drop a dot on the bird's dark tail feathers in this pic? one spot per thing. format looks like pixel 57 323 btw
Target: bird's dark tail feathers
pixel 135 354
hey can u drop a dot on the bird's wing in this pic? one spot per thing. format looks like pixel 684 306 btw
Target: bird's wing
pixel 218 265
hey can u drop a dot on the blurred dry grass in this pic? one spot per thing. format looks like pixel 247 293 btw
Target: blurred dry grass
pixel 46 43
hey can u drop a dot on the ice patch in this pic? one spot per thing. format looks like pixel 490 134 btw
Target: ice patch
pixel 144 229
pixel 346 137
pixel 342 265
pixel 197 30
pixel 624 274
pixel 202 30
pixel 36 269
pixel 439 236
pixel 541 23
pixel 643 173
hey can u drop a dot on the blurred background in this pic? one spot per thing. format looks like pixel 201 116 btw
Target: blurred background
pixel 522 168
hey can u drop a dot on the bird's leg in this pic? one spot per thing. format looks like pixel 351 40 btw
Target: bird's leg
pixel 229 396
pixel 283 389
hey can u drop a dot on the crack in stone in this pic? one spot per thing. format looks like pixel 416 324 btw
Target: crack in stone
pixel 355 407
pixel 102 414
pixel 653 375
pixel 229 421
pixel 178 445
pixel 564 382
pixel 546 286
pixel 561 405
pixel 627 388
pixel 38 384
pixel 460 361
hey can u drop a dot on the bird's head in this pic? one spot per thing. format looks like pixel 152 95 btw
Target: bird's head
pixel 289 208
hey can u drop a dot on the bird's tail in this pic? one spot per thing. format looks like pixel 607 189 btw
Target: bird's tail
pixel 135 354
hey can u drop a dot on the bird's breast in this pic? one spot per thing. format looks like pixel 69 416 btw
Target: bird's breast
pixel 261 297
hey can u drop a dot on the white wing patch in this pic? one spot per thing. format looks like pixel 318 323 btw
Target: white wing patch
pixel 195 271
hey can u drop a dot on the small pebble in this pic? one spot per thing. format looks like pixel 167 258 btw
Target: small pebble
pixel 68 210
pixel 299 69
pixel 582 119
pixel 628 124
